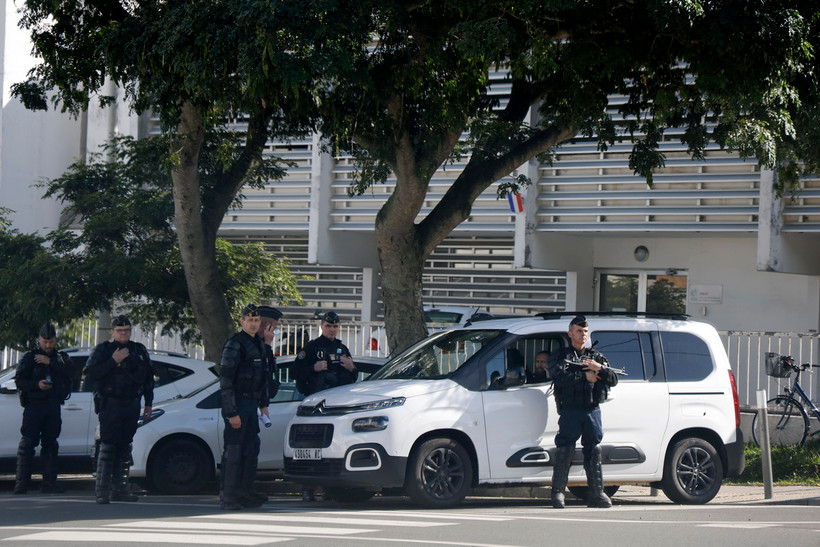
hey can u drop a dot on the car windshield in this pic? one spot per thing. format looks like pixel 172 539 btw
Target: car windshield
pixel 437 356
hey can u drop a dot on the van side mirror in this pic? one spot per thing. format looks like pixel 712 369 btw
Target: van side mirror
pixel 515 376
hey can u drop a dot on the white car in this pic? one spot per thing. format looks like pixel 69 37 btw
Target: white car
pixel 448 315
pixel 454 411
pixel 178 450
pixel 175 375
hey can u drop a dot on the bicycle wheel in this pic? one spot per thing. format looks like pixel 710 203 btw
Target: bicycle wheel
pixel 788 422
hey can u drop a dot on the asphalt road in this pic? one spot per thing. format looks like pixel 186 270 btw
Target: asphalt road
pixel 636 519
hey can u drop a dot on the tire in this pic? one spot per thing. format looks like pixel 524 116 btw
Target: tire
pixel 788 422
pixel 581 492
pixel 693 472
pixel 439 473
pixel 347 495
pixel 179 466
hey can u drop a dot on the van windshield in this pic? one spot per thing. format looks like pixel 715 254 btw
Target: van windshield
pixel 437 356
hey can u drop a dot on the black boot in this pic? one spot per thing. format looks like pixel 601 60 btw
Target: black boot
pixel 106 459
pixel 121 492
pixel 248 497
pixel 231 478
pixel 595 481
pixel 25 457
pixel 48 457
pixel 560 474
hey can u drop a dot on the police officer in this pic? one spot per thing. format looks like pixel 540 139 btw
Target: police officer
pixel 578 392
pixel 244 375
pixel 122 375
pixel 268 329
pixel 44 377
pixel 323 363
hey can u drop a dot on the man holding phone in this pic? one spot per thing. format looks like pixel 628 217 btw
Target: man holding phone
pixel 44 377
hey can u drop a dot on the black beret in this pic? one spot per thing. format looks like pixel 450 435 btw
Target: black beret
pixel 579 320
pixel 269 311
pixel 120 321
pixel 250 311
pixel 331 317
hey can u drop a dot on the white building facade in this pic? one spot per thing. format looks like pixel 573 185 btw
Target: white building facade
pixel 709 239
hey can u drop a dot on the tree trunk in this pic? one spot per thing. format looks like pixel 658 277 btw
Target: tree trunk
pixel 197 238
pixel 402 267
pixel 404 245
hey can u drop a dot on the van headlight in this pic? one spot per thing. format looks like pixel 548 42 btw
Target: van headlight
pixel 371 423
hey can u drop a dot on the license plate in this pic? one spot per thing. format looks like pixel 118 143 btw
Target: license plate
pixel 307 453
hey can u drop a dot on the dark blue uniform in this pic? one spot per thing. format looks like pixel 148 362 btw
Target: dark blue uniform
pixel 244 378
pixel 579 416
pixel 308 380
pixel 41 414
pixel 118 390
pixel 578 400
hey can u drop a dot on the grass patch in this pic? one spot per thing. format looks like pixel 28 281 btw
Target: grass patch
pixel 790 465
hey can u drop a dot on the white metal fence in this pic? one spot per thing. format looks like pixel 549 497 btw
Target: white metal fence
pixel 746 351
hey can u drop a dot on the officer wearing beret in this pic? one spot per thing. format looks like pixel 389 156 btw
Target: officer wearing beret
pixel 323 363
pixel 578 392
pixel 268 330
pixel 44 377
pixel 123 376
pixel 243 378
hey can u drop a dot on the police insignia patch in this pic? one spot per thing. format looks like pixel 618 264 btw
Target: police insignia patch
pixel 301 355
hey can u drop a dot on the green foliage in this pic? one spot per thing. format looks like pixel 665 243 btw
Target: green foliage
pixel 116 243
pixel 736 73
pixel 790 464
pixel 36 286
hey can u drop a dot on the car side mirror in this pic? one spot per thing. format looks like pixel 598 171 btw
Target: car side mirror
pixel 515 376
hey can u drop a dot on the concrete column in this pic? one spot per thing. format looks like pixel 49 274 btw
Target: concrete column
pixel 320 192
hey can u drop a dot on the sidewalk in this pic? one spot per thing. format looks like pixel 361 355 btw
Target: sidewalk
pixel 733 494
pixel 729 494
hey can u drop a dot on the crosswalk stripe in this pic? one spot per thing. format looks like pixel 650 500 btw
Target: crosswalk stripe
pixel 299 518
pixel 431 515
pixel 116 536
pixel 238 527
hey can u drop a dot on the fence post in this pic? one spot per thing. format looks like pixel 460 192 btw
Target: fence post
pixel 765 445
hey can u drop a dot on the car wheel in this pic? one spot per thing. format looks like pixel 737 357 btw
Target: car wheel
pixel 439 473
pixel 347 495
pixel 693 472
pixel 179 466
pixel 581 492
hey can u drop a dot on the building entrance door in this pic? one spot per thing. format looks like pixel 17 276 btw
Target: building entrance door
pixel 641 291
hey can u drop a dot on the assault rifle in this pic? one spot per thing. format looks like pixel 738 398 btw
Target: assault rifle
pixel 618 371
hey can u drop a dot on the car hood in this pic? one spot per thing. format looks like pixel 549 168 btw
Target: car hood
pixel 377 390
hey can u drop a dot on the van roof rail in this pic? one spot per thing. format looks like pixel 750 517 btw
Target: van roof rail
pixel 644 314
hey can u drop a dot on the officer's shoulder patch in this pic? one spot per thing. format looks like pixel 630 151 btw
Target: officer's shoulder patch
pixel 301 355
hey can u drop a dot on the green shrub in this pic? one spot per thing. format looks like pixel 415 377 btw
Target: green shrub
pixel 790 464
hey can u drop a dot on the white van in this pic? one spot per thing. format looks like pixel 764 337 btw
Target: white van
pixel 436 420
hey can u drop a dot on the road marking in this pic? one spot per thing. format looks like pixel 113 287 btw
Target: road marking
pixel 294 518
pixel 239 527
pixel 115 536
pixel 743 525
pixel 431 515
pixel 91 535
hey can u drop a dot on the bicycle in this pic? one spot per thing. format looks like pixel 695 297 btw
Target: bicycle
pixel 789 423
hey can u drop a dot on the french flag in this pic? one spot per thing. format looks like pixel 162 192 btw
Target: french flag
pixel 516 202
